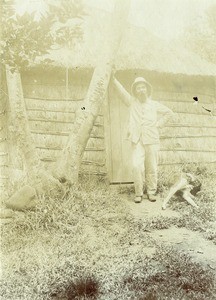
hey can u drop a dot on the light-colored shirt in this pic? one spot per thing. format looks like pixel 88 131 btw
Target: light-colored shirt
pixel 145 118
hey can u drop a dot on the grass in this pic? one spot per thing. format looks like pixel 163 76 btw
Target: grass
pixel 88 246
pixel 83 287
pixel 62 241
pixel 173 275
pixel 203 219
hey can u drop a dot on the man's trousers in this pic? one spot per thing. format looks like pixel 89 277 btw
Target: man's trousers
pixel 145 165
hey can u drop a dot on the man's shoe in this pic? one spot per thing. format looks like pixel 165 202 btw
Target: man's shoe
pixel 138 199
pixel 152 197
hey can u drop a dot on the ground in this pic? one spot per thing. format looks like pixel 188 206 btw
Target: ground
pixel 200 249
pixel 96 243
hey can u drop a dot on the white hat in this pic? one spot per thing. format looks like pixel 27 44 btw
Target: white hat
pixel 141 80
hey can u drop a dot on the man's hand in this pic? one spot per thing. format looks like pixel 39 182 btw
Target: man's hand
pixel 113 72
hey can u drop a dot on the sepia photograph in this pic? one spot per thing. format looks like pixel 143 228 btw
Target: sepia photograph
pixel 108 150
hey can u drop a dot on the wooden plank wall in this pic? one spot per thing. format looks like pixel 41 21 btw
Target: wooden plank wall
pixel 51 116
pixel 192 136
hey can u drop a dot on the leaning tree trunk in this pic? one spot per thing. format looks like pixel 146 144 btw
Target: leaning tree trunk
pixel 68 166
pixel 37 177
pixel 3 136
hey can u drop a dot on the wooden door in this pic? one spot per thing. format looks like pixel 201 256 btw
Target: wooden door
pixel 120 163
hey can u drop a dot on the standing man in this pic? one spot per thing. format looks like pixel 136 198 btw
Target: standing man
pixel 143 134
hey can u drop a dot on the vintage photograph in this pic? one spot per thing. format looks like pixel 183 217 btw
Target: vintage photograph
pixel 108 149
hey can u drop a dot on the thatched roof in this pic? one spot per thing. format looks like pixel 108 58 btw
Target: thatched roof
pixel 139 49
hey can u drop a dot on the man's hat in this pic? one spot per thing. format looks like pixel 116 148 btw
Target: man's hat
pixel 141 80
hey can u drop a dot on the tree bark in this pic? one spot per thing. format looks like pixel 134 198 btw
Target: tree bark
pixel 3 136
pixel 68 166
pixel 37 177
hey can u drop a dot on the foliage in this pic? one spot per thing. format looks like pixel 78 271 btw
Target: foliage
pixel 69 18
pixel 69 9
pixel 200 36
pixel 24 38
pixel 67 36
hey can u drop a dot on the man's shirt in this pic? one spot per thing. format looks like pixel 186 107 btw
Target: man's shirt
pixel 144 120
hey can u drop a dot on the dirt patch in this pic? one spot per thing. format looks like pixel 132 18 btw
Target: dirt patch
pixel 147 209
pixel 192 242
pixel 202 250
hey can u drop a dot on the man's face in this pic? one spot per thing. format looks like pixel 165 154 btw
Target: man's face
pixel 141 91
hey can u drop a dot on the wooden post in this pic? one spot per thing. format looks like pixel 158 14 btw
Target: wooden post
pixel 214 106
pixel 66 84
pixel 68 165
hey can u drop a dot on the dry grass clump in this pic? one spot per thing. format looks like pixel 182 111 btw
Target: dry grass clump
pixel 197 220
pixel 84 287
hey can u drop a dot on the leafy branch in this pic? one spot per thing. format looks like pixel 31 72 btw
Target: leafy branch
pixel 24 39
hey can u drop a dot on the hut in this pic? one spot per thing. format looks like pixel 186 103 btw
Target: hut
pixel 53 92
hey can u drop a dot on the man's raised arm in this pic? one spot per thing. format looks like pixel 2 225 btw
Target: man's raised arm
pixel 121 91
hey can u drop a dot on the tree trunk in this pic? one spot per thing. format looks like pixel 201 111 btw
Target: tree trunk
pixel 68 166
pixel 37 177
pixel 3 136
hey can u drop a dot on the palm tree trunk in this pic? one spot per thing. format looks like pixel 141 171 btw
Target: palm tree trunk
pixel 37 177
pixel 68 166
